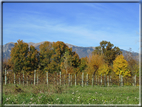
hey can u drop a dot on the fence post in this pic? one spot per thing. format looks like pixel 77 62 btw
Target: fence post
pixel 92 80
pixel 121 80
pixel 87 79
pixel 69 79
pixel 82 78
pixel 64 79
pixel 135 80
pixel 14 77
pixel 23 78
pixel 27 80
pixel 34 76
pixel 37 77
pixel 101 79
pixel 57 78
pixel 47 78
pixel 96 80
pixel 19 80
pixel 60 78
pixel 75 79
pixel 5 76
pixel 104 80
pixel 108 80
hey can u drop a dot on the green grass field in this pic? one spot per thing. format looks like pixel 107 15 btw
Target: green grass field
pixel 42 94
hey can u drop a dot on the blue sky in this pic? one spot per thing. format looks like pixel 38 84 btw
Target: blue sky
pixel 80 24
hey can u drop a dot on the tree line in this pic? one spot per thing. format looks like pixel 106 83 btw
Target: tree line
pixel 57 56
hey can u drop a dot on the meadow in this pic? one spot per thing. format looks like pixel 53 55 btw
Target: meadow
pixel 56 94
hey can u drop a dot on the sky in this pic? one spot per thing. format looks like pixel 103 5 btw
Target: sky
pixel 80 24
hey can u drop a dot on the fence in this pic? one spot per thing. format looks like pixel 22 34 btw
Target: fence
pixel 81 79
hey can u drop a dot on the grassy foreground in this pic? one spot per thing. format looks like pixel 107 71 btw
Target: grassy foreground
pixel 42 94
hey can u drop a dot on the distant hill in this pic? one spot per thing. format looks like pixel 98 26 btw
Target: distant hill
pixel 81 51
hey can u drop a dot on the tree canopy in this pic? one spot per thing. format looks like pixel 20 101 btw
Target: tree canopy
pixel 108 50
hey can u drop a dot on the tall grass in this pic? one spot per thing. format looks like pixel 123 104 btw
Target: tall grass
pixel 56 94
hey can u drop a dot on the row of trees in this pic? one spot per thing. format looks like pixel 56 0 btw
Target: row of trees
pixel 57 56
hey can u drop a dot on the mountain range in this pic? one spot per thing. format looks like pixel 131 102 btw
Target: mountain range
pixel 81 51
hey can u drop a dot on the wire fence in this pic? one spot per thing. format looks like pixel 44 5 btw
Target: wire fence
pixel 82 79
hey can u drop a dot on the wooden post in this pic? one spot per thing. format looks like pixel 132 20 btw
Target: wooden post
pixel 75 79
pixel 27 80
pixel 135 80
pixel 104 80
pixel 110 81
pixel 82 78
pixel 96 79
pixel 71 79
pixel 47 78
pixel 87 79
pixel 14 77
pixel 107 80
pixel 19 80
pixel 5 77
pixel 92 80
pixel 121 80
pixel 57 78
pixel 64 79
pixel 101 79
pixel 60 78
pixel 37 77
pixel 34 76
pixel 23 78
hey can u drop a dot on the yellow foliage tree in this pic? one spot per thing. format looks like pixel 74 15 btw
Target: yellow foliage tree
pixel 120 66
pixel 104 69
pixel 94 62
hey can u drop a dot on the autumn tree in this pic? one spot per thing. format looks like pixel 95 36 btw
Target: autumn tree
pixel 104 69
pixel 46 52
pixel 6 64
pixel 133 63
pixel 108 50
pixel 94 63
pixel 83 64
pixel 32 59
pixel 120 66
pixel 66 62
pixel 59 48
pixel 19 56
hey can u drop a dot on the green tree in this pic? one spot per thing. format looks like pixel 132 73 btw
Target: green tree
pixel 108 50
pixel 83 64
pixel 120 66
